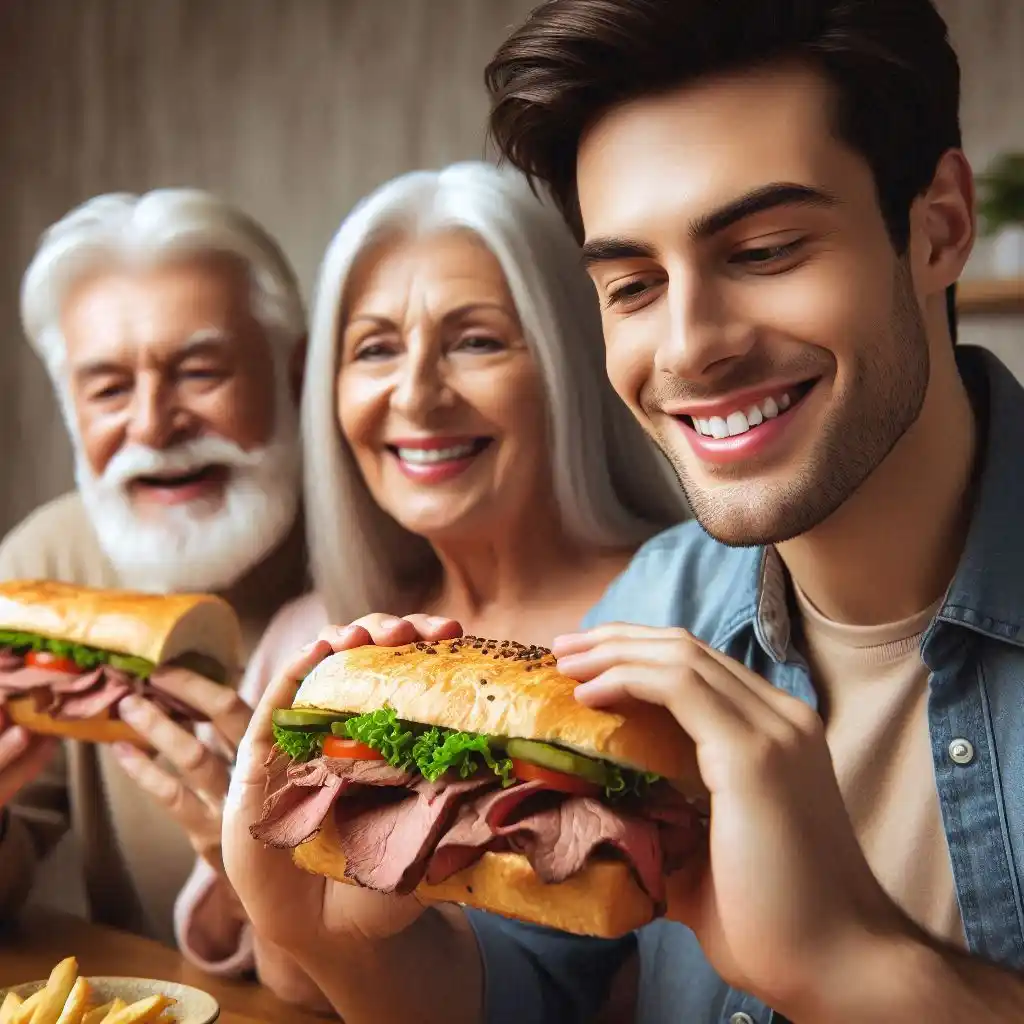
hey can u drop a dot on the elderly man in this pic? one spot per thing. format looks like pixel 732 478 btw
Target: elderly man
pixel 173 330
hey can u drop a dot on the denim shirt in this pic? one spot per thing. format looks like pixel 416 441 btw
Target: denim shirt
pixel 736 599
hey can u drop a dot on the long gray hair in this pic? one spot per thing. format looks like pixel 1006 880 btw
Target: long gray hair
pixel 613 487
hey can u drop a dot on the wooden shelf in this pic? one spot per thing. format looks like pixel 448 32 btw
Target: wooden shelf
pixel 983 298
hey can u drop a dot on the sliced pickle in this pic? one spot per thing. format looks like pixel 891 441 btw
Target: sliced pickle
pixel 129 663
pixel 557 759
pixel 306 720
pixel 202 665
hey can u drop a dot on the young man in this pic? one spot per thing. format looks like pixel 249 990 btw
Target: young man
pixel 774 206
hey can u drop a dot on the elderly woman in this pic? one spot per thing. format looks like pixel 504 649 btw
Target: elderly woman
pixel 465 456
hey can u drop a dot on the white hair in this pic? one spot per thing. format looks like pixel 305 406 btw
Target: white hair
pixel 121 229
pixel 191 547
pixel 612 486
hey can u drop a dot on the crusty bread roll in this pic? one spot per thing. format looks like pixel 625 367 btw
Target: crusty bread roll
pixel 157 627
pixel 99 729
pixel 500 689
pixel 602 900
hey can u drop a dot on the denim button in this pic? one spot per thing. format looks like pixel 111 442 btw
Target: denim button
pixel 741 1018
pixel 961 751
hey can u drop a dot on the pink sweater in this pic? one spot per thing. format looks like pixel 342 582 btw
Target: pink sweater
pixel 294 626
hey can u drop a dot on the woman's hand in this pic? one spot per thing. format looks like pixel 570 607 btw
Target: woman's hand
pixel 287 906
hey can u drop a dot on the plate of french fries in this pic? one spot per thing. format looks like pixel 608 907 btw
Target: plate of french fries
pixel 68 998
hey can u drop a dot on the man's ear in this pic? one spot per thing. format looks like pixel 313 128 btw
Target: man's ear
pixel 297 367
pixel 947 222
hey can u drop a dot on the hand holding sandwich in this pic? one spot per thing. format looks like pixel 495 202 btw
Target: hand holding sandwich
pixel 186 776
pixel 787 907
pixel 22 758
pixel 352 942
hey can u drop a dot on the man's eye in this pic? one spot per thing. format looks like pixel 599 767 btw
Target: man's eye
pixel 767 255
pixel 630 291
pixel 109 392
pixel 202 373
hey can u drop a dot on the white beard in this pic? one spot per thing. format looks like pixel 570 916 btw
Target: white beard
pixel 202 545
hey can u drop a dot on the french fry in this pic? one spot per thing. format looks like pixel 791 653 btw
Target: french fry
pixel 10 1004
pixel 98 1014
pixel 55 995
pixel 78 1000
pixel 114 1008
pixel 23 1014
pixel 142 1012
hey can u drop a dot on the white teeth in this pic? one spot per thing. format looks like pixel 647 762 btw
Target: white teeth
pixel 428 456
pixel 740 422
pixel 737 424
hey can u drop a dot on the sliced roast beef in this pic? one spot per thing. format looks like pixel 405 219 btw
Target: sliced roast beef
pixel 10 659
pixel 81 695
pixel 102 698
pixel 28 678
pixel 294 813
pixel 387 842
pixel 558 832
pixel 474 829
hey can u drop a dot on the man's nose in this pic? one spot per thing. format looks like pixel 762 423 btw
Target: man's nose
pixel 704 333
pixel 155 419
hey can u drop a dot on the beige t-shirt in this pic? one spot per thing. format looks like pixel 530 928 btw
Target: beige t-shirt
pixel 873 691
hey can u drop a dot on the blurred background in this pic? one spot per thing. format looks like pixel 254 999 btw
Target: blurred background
pixel 293 109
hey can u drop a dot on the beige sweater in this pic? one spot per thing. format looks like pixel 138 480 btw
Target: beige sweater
pixel 134 857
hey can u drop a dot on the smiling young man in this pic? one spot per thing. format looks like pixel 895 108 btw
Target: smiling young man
pixel 774 207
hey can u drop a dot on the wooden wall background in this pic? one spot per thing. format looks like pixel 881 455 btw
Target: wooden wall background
pixel 293 109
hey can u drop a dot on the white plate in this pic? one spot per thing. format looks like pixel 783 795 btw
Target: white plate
pixel 191 1006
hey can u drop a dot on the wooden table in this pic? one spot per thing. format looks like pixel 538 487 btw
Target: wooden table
pixel 29 950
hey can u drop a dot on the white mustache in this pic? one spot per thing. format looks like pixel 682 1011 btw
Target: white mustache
pixel 134 460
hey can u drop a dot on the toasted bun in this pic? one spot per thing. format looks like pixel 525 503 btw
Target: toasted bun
pixel 157 627
pixel 603 899
pixel 509 691
pixel 99 729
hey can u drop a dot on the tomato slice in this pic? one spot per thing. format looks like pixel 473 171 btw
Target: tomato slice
pixel 54 662
pixel 562 781
pixel 338 746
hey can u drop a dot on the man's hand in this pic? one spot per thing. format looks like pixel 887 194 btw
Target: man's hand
pixel 193 793
pixel 786 902
pixel 23 757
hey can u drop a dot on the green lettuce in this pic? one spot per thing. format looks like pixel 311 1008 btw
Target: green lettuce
pixel 84 657
pixel 297 744
pixel 431 750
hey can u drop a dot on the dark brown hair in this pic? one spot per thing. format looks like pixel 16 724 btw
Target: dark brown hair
pixel 895 76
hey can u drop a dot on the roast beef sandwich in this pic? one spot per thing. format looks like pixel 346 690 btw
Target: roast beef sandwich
pixel 466 771
pixel 69 654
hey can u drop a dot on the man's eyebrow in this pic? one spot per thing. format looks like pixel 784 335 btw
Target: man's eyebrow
pixel 767 197
pixel 603 250
pixel 208 340
pixel 97 368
